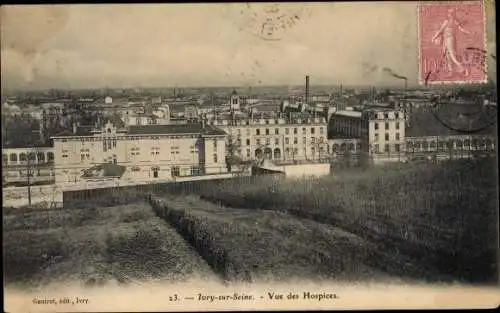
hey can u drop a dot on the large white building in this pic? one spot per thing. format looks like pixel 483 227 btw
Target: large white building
pixel 144 152
pixel 381 133
pixel 280 137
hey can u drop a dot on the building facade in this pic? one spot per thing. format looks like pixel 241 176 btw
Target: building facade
pixel 146 152
pixel 381 134
pixel 18 163
pixel 280 138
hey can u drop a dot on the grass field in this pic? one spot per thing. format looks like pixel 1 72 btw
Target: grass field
pixel 260 246
pixel 432 222
pixel 437 222
pixel 97 246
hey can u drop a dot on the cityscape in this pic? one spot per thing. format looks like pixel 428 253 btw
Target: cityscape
pixel 313 179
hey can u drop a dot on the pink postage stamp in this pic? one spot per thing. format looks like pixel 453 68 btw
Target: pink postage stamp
pixel 451 43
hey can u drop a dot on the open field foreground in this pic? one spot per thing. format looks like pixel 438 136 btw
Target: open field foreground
pixel 266 246
pixel 411 224
pixel 433 222
pixel 126 244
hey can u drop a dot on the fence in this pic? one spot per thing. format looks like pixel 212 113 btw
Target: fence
pixel 110 196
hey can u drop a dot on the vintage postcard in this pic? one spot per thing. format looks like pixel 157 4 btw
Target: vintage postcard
pixel 249 156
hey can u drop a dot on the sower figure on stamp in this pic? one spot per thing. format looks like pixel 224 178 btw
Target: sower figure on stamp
pixel 447 33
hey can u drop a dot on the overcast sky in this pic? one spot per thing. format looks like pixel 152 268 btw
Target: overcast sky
pixel 87 46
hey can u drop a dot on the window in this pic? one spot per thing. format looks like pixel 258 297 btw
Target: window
pixel 13 157
pixel 276 131
pixel 397 135
pixel 386 126
pixel 215 158
pixel 41 156
pixel 257 132
pixel 248 153
pixel 295 130
pixel 50 156
pixel 5 158
pixel 386 115
pixel 268 141
pixel 257 141
pixel 175 171
pixel 312 130
pixel 376 125
pixel 287 140
pixel 295 140
pixel 321 130
pixel 82 157
pixel 104 146
pixel 376 137
pixel 387 136
pixel 114 143
pixel 215 145
pixel 304 130
pixel 397 125
pixel 397 147
pixel 386 148
pixel 267 131
pixel 32 156
pixel 287 131
pixel 313 139
pixel 304 140
pixel 248 142
pixel 276 141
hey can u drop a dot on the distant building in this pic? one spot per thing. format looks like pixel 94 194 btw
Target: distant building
pixel 381 133
pixel 18 163
pixel 279 137
pixel 148 152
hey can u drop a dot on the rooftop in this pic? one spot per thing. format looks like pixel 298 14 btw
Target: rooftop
pixel 355 114
pixel 195 128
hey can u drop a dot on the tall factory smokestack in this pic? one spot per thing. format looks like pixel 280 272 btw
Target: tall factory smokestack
pixel 307 90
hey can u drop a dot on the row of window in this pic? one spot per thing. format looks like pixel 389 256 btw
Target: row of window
pixel 287 131
pixel 397 137
pixel 387 125
pixel 277 141
pixel 289 152
pixel 23 157
pixel 175 171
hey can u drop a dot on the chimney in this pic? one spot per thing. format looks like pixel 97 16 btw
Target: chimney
pixel 307 89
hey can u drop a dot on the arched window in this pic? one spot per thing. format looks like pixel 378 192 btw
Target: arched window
pixel 22 157
pixel 351 147
pixel 13 157
pixel 32 156
pixel 258 153
pixel 277 153
pixel 50 156
pixel 417 145
pixel 425 145
pixel 358 146
pixel 335 148
pixel 458 143
pixel 268 152
pixel 433 145
pixel 343 147
pixel 5 158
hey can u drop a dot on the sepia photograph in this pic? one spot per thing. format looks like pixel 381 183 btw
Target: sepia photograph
pixel 249 156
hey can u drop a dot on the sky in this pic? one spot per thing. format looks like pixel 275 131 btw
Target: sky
pixel 182 45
